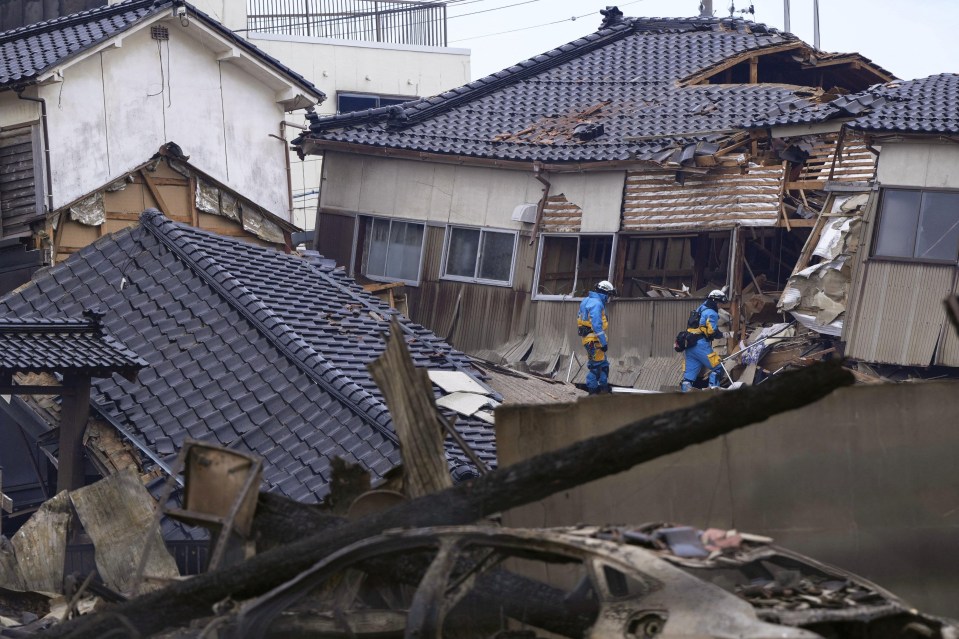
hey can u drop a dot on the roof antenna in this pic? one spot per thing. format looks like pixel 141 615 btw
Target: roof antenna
pixel 706 9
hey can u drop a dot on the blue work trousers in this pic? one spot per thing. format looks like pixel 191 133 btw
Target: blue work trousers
pixel 598 376
pixel 697 360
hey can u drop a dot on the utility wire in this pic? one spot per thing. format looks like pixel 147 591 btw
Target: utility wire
pixel 537 26
pixel 508 6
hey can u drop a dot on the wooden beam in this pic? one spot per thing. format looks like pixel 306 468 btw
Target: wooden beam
pixel 754 70
pixel 799 223
pixel 73 422
pixel 18 389
pixel 194 214
pixel 806 185
pixel 155 192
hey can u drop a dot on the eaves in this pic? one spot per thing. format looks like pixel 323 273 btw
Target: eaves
pixel 316 147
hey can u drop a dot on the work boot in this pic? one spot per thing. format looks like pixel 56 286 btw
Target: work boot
pixel 685 386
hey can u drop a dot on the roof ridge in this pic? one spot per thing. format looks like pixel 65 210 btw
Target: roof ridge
pixel 80 17
pixel 297 349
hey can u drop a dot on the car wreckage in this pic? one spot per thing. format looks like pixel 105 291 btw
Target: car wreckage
pixel 655 580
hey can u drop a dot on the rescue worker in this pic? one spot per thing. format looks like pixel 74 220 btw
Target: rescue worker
pixel 591 325
pixel 701 356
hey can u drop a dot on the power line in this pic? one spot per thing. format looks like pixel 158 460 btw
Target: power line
pixel 537 26
pixel 508 6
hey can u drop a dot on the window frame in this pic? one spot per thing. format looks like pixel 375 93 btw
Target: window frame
pixel 447 238
pixel 878 223
pixel 536 295
pixel 360 257
pixel 379 97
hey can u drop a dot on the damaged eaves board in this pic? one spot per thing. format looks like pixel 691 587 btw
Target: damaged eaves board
pixel 163 183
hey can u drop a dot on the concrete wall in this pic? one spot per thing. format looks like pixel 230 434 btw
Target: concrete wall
pixel 864 479
pixel 934 166
pixel 14 111
pixel 113 110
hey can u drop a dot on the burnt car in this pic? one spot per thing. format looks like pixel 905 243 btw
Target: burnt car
pixel 594 582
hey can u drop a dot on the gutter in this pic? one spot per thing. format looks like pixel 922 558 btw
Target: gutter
pixel 46 145
pixel 541 206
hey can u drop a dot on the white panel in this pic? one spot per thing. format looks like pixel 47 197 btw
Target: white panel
pixel 903 164
pixel 16 111
pixel 509 192
pixel 414 188
pixel 194 108
pixel 344 178
pixel 379 187
pixel 943 168
pixel 134 92
pixel 441 197
pixel 257 161
pixel 471 190
pixel 77 128
pixel 600 195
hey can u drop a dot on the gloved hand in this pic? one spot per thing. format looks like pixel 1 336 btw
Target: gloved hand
pixel 604 347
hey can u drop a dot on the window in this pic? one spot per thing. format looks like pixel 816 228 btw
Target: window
pixel 921 225
pixel 652 263
pixel 479 255
pixel 392 249
pixel 346 102
pixel 571 265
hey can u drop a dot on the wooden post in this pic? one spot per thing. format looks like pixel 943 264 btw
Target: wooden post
pixel 754 70
pixel 736 288
pixel 73 423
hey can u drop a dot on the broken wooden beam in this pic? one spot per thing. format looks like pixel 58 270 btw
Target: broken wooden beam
pixel 502 489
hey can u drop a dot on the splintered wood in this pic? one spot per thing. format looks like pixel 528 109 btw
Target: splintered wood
pixel 409 396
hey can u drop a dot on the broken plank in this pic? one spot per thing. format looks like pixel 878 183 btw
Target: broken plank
pixel 41 545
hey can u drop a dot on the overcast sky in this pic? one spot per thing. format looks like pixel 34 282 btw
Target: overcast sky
pixel 910 38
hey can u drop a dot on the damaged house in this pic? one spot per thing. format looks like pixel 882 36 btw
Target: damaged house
pixel 884 253
pixel 623 156
pixel 87 99
pixel 240 346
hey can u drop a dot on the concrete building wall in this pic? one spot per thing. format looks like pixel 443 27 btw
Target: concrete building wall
pixel 14 111
pixel 863 479
pixel 114 109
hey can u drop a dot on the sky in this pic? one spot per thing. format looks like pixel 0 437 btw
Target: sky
pixel 911 39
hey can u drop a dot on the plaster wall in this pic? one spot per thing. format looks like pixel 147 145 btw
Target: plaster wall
pixel 432 192
pixel 863 479
pixel 113 110
pixel 919 165
pixel 599 195
pixel 14 111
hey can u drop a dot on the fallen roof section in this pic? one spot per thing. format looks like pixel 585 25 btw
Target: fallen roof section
pixel 246 347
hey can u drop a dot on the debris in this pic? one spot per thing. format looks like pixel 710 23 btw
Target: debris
pixel 453 381
pixel 465 403
pixel 40 546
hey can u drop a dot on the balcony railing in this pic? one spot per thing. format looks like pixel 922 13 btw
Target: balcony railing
pixel 392 21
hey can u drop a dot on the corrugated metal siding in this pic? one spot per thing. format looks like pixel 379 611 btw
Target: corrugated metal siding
pixel 561 216
pixel 723 199
pixel 336 237
pixel 19 199
pixel 948 352
pixel 899 314
pixel 433 253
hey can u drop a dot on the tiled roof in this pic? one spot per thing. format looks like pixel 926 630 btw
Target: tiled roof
pixel 625 77
pixel 26 52
pixel 63 345
pixel 246 347
pixel 927 105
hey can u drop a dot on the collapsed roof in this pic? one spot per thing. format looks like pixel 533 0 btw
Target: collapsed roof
pixel 925 106
pixel 245 347
pixel 638 89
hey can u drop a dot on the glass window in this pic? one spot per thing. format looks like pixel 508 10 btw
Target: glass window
pixel 918 224
pixel 393 249
pixel 480 254
pixel 347 102
pixel 655 263
pixel 573 265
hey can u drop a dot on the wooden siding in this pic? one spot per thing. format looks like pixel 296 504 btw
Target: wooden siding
pixel 855 163
pixel 335 237
pixel 561 216
pixel 20 199
pixel 721 199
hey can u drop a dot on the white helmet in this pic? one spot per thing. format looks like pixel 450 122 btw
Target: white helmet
pixel 717 295
pixel 606 287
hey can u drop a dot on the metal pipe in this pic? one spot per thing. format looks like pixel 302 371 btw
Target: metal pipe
pixel 46 144
pixel 815 22
pixel 786 26
pixel 706 9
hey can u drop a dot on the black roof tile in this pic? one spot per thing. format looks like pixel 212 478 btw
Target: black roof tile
pixel 927 105
pixel 239 385
pixel 27 52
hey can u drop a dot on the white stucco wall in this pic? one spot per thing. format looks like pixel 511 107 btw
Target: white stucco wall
pixel 598 194
pixel 114 109
pixel 15 111
pixel 934 165
pixel 439 193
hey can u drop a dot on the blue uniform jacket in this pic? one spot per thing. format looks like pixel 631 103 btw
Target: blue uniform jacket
pixel 708 321
pixel 591 310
